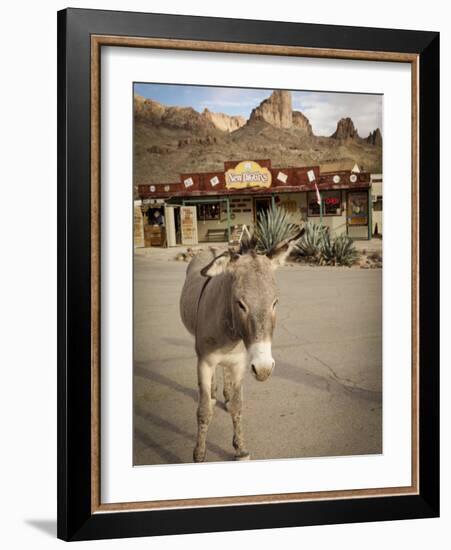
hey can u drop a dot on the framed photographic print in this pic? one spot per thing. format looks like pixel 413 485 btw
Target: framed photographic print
pixel 248 274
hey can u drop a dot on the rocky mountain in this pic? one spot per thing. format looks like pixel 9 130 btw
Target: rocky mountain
pixel 224 122
pixel 169 141
pixel 147 108
pixel 159 115
pixel 275 110
pixel 345 130
pixel 375 138
pixel 301 122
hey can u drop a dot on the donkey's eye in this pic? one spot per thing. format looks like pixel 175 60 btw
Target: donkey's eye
pixel 242 305
pixel 275 303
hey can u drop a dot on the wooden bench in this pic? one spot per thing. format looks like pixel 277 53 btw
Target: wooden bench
pixel 217 235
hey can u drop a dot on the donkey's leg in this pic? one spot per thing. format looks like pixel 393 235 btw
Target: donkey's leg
pixel 214 387
pixel 204 410
pixel 235 407
pixel 227 389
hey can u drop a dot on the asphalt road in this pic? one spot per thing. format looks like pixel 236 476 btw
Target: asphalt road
pixel 323 399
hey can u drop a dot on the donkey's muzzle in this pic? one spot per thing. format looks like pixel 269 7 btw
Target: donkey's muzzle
pixel 262 374
pixel 261 360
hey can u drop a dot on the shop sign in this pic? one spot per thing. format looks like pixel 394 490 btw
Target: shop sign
pixel 358 208
pixel 138 225
pixel 311 175
pixel 247 174
pixel 282 177
pixel 332 201
pixel 188 224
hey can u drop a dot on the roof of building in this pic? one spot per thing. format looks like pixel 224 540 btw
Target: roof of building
pixel 340 166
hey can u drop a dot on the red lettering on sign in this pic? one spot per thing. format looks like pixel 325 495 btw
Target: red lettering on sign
pixel 332 200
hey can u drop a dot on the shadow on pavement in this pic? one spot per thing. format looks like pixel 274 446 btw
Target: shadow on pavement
pixel 168 456
pixel 167 425
pixel 143 369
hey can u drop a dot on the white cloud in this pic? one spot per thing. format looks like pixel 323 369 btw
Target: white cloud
pixel 324 109
pixel 238 101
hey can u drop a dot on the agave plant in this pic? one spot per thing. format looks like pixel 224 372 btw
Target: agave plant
pixel 310 244
pixel 326 249
pixel 273 226
pixel 345 252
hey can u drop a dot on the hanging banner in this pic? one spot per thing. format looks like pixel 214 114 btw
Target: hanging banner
pixel 247 174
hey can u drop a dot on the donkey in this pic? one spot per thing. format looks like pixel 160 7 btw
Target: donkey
pixel 228 303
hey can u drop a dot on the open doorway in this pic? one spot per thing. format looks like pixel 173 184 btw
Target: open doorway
pixel 261 204
pixel 173 224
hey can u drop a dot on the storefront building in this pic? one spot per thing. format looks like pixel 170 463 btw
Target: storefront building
pixel 214 206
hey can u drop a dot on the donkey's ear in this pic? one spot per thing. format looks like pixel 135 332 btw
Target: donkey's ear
pixel 217 265
pixel 280 252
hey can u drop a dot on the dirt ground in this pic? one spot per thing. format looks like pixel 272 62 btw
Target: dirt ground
pixel 323 399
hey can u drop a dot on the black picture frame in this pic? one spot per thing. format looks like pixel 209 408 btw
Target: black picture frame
pixel 76 521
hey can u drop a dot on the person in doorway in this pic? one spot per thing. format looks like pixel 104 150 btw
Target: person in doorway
pixel 157 218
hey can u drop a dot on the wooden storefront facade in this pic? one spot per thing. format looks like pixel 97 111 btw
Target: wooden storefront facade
pixel 207 206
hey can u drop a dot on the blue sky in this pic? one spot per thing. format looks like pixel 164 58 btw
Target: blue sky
pixel 323 109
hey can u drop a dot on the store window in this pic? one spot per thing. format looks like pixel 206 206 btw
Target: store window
pixel 209 211
pixel 331 203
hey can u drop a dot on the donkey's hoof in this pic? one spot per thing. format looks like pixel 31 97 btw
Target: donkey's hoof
pixel 199 456
pixel 227 405
pixel 243 456
pixel 213 401
pixel 198 459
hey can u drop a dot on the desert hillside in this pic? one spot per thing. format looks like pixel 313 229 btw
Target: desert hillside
pixel 172 140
